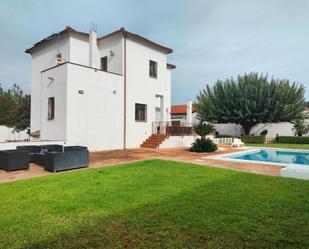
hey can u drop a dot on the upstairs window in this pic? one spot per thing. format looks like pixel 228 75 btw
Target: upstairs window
pixel 51 108
pixel 153 69
pixel 140 112
pixel 104 63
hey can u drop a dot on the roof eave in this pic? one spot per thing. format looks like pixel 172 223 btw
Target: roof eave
pixel 66 30
pixel 126 33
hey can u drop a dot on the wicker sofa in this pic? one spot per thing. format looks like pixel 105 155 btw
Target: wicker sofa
pixel 72 157
pixel 39 158
pixel 11 160
pixel 31 149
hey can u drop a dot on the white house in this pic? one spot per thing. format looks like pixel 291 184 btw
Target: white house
pixel 184 113
pixel 103 92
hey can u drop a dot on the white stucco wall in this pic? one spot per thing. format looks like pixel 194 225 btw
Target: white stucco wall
pixel 54 129
pixel 282 129
pixel 79 49
pixel 42 58
pixel 112 44
pixel 12 145
pixel 177 141
pixel 183 117
pixel 143 89
pixel 8 134
pixel 228 129
pixel 94 118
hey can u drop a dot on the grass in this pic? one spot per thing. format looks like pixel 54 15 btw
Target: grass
pixel 288 146
pixel 155 204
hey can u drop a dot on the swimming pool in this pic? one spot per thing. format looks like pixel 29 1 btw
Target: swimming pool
pixel 274 156
pixel 293 163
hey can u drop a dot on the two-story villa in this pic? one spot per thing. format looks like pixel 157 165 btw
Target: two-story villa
pixel 103 92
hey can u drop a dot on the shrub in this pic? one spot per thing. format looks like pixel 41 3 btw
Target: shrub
pixel 201 145
pixel 292 140
pixel 253 139
pixel 203 129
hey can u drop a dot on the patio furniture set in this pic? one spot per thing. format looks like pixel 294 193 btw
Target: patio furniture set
pixel 52 157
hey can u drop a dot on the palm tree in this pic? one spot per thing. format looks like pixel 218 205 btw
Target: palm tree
pixel 203 129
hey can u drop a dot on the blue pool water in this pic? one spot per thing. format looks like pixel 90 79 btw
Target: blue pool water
pixel 275 156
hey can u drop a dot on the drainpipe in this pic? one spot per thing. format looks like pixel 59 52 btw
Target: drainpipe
pixel 125 90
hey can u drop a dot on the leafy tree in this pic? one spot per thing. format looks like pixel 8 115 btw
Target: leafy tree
pixel 251 99
pixel 14 108
pixel 20 115
pixel 6 103
pixel 203 129
pixel 300 127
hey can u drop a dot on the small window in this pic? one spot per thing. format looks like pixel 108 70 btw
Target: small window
pixel 104 63
pixel 153 69
pixel 140 112
pixel 59 56
pixel 51 108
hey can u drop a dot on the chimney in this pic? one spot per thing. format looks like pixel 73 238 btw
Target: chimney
pixel 189 112
pixel 93 49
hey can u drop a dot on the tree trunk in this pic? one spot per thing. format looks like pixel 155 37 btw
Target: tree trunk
pixel 247 128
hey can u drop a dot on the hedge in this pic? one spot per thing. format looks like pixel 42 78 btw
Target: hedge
pixel 292 140
pixel 253 139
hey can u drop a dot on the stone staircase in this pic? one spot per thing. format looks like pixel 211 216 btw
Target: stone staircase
pixel 153 141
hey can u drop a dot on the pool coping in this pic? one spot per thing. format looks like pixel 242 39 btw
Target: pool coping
pixel 295 168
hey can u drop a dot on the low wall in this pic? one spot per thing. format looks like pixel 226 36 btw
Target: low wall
pixel 177 141
pixel 7 133
pixel 12 145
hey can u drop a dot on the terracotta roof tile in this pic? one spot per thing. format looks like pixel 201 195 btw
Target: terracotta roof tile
pixel 182 109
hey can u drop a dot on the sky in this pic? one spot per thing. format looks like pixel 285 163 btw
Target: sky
pixel 211 39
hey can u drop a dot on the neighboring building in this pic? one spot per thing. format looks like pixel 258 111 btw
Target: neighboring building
pixel 182 112
pixel 101 92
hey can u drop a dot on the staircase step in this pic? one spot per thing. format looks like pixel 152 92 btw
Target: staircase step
pixel 153 141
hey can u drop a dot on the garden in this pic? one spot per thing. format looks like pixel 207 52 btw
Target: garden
pixel 155 204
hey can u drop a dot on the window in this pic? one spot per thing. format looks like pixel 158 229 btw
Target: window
pixel 51 108
pixel 153 69
pixel 140 112
pixel 104 63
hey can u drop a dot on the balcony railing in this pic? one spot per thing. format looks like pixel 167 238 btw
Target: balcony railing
pixel 174 128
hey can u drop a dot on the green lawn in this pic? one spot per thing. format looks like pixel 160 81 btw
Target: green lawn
pixel 288 146
pixel 155 204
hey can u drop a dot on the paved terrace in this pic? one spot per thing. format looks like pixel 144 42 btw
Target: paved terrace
pixel 109 158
